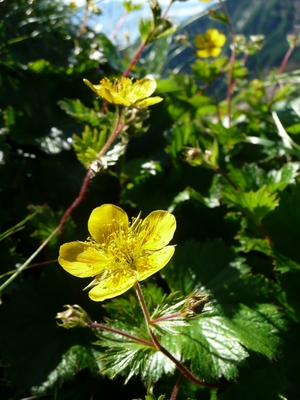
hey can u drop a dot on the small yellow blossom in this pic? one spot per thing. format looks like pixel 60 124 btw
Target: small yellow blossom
pixel 120 254
pixel 123 92
pixel 210 43
pixel 205 1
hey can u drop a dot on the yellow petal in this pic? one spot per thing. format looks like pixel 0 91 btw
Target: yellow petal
pixel 143 88
pixel 82 259
pixel 215 51
pixel 107 219
pixel 216 37
pixel 105 94
pixel 153 263
pixel 148 102
pixel 114 285
pixel 91 86
pixel 199 41
pixel 157 230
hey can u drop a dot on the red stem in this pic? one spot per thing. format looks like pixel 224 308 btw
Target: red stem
pixel 161 348
pixel 285 59
pixel 144 44
pixel 78 199
pixel 127 335
pixel 176 387
pixel 119 26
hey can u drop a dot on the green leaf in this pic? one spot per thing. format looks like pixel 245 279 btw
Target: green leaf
pixel 241 318
pixel 129 6
pixel 45 222
pixel 191 194
pixel 283 224
pixel 282 93
pixel 251 177
pixel 266 380
pixel 129 356
pixel 285 264
pixel 169 305
pixel 255 205
pixel 89 145
pixel 208 72
pixel 76 359
pixel 81 113
pixel 145 27
pixel 218 16
pixel 228 137
pixel 294 129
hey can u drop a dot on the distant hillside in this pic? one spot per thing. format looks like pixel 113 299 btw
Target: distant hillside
pixel 272 18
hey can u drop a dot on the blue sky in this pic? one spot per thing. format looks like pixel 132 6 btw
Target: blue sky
pixel 112 11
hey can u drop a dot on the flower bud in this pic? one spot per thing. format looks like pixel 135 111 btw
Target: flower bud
pixel 73 317
pixel 193 307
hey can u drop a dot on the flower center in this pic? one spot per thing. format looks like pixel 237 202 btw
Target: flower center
pixel 124 246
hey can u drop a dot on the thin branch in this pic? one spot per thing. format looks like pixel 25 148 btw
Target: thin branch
pixel 161 348
pixel 127 335
pixel 176 387
pixel 144 44
pixel 116 131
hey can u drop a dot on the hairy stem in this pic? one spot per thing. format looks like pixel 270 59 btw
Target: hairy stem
pixel 176 387
pixel 165 318
pixel 144 44
pixel 127 335
pixel 161 348
pixel 116 131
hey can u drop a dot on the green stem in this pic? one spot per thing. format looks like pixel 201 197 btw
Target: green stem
pixel 29 266
pixel 28 261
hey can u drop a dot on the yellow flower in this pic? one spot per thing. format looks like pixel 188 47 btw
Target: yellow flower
pixel 120 254
pixel 210 44
pixel 123 92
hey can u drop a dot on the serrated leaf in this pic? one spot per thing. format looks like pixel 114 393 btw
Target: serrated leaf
pixel 241 319
pixel 89 144
pixel 251 177
pixel 191 194
pixel 283 224
pixel 74 360
pixel 129 6
pixel 228 137
pixel 81 113
pixel 285 264
pixel 282 93
pixel 169 306
pixel 207 72
pixel 127 355
pixel 266 381
pixel 45 222
pixel 255 205
pixel 145 27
